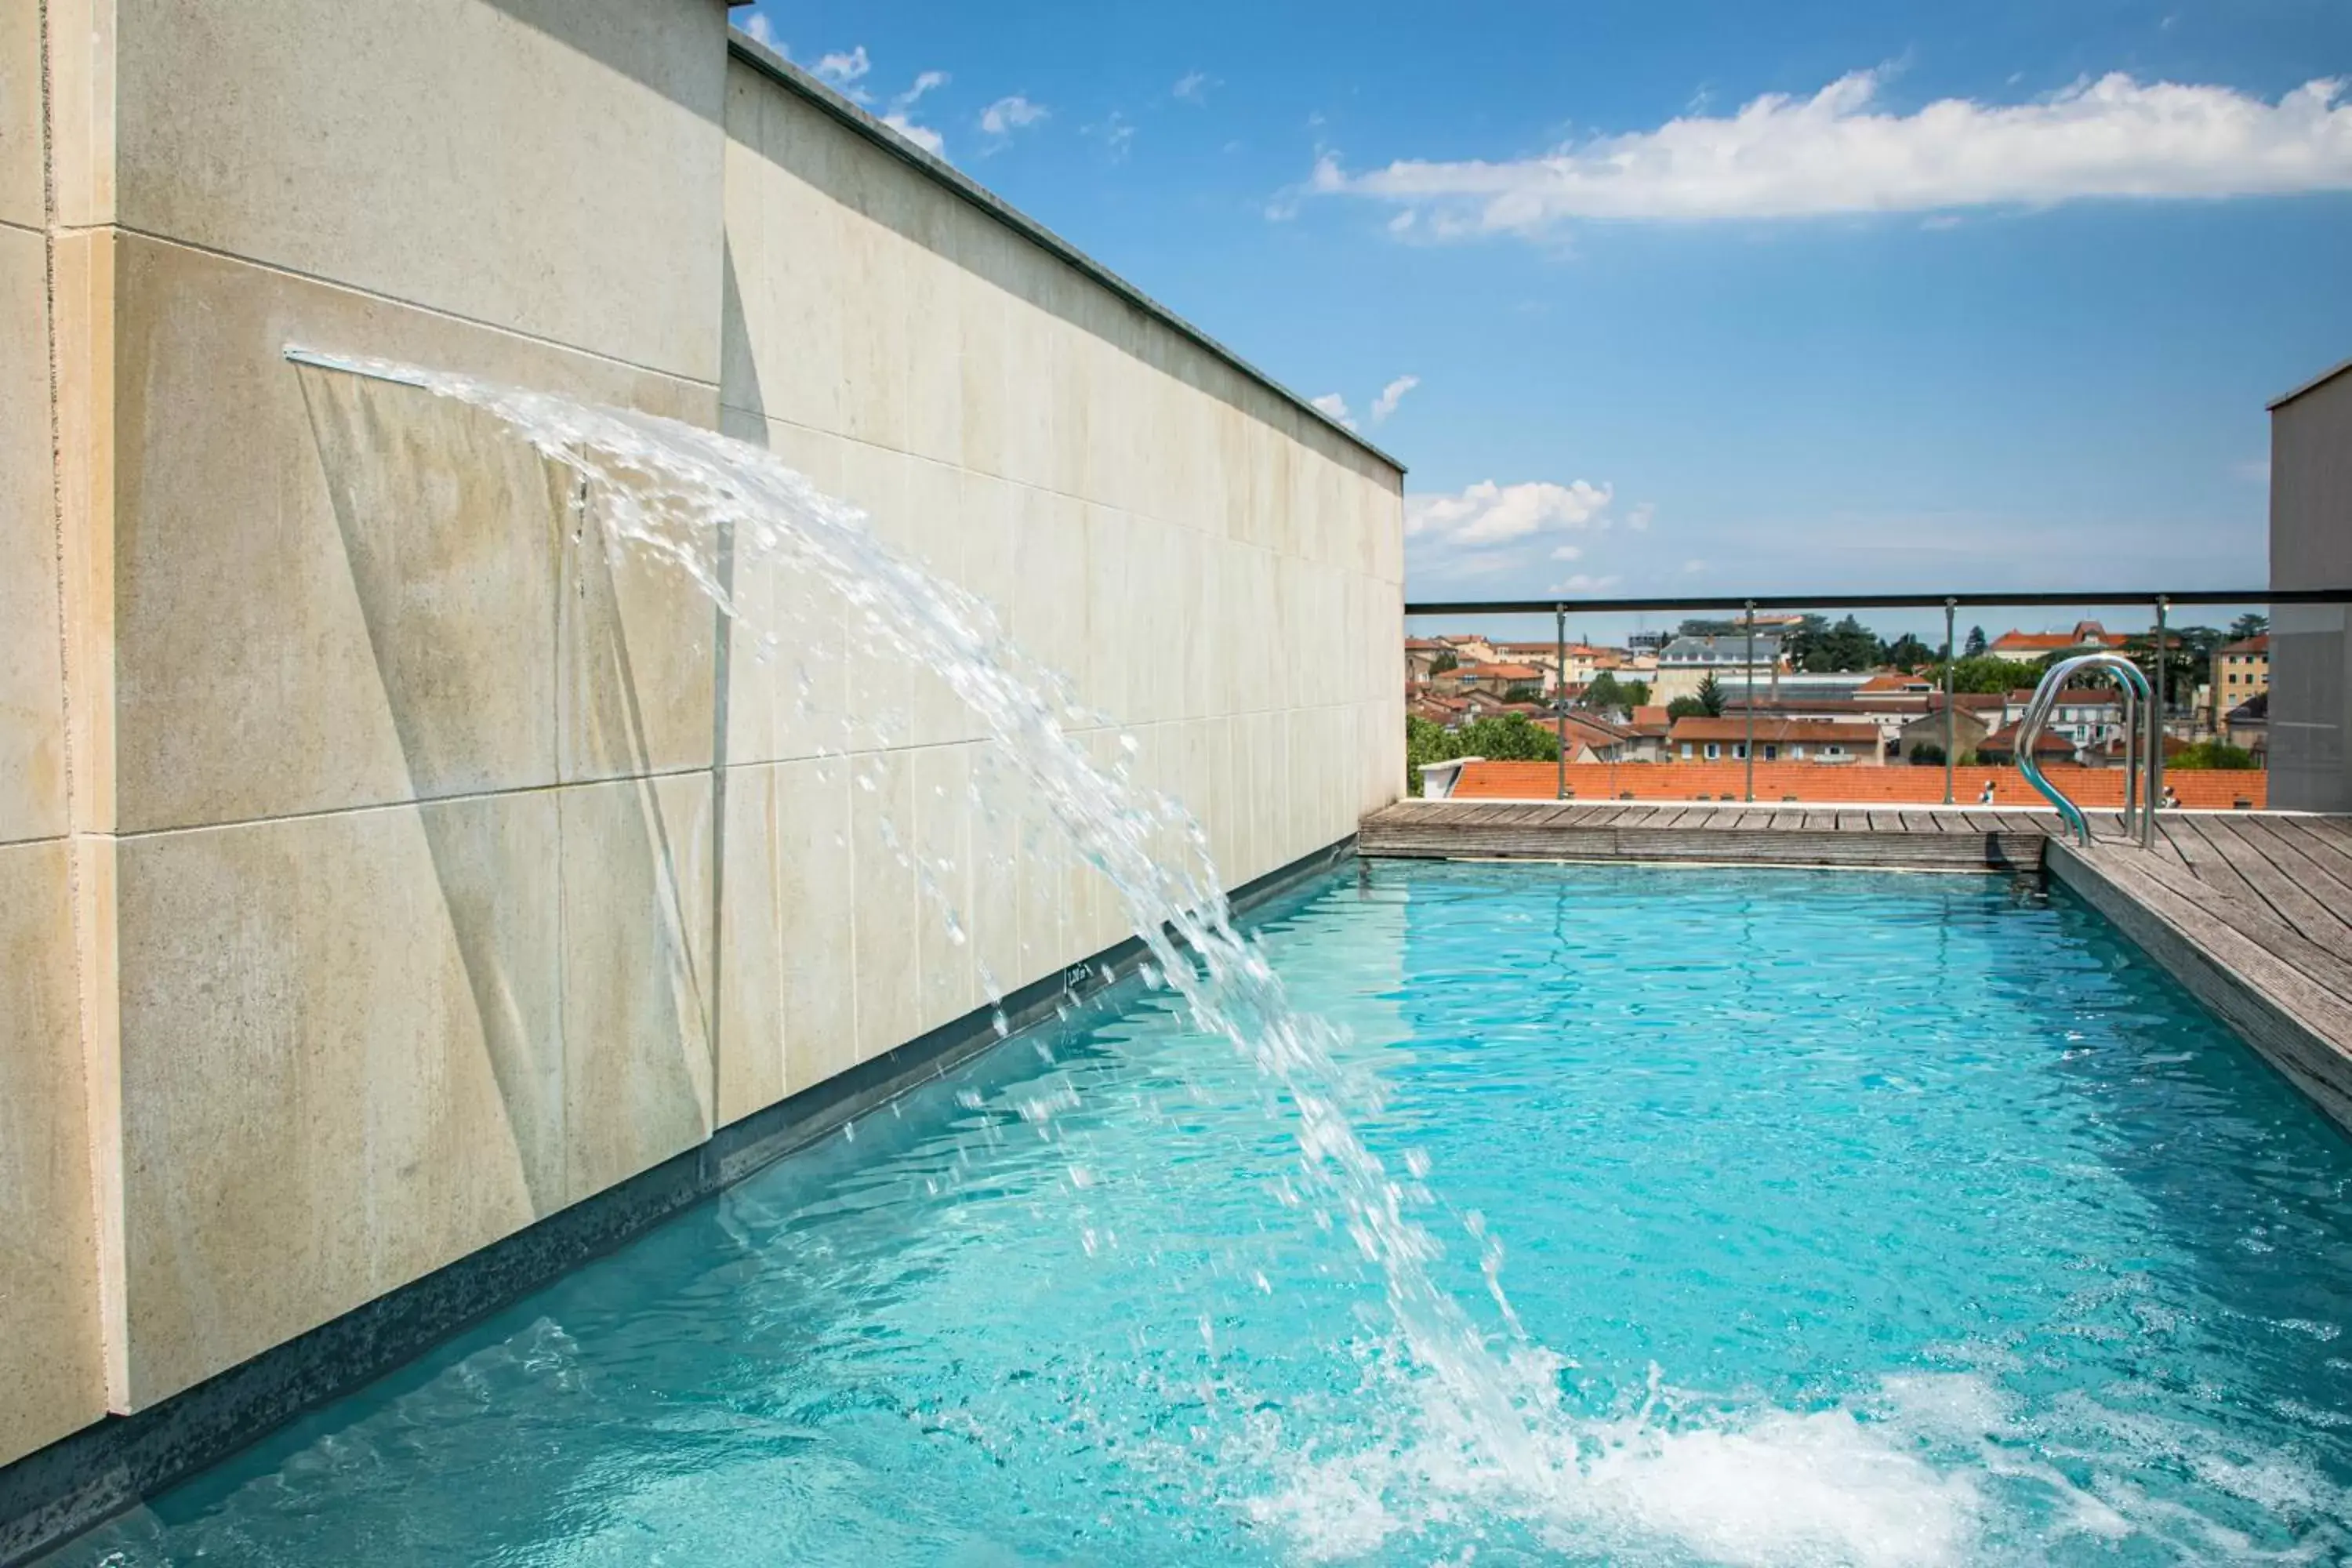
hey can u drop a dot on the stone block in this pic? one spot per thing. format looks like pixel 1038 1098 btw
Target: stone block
pixel 32 676
pixel 340 1066
pixel 549 166
pixel 638 865
pixel 52 1373
pixel 250 676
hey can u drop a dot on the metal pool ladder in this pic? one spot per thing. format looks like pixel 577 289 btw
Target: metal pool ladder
pixel 2143 742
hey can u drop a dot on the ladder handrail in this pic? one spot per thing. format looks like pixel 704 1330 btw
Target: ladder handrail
pixel 2140 698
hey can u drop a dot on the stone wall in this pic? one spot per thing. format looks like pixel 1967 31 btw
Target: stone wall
pixel 2311 645
pixel 368 893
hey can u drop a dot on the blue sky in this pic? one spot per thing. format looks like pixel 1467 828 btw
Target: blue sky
pixel 1992 299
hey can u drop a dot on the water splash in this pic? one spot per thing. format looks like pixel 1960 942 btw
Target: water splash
pixel 698 500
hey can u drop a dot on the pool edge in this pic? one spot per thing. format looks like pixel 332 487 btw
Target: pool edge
pixel 54 1494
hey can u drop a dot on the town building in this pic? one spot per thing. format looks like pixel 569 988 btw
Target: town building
pixel 1686 663
pixel 1929 737
pixel 1493 679
pixel 1777 739
pixel 2089 636
pixel 2242 670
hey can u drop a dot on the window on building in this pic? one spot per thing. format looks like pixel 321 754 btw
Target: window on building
pixel 1713 750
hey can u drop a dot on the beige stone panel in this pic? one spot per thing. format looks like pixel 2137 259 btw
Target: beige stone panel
pixel 942 785
pixel 339 1066
pixel 1040 860
pixel 980 333
pixel 818 888
pixel 748 324
pixel 1260 838
pixel 1111 647
pixel 1031 402
pixel 995 906
pixel 32 676
pixel 638 909
pixel 933 307
pixel 992 557
pixel 636 638
pixel 81 70
pixel 449 531
pixel 1076 367
pixel 871 265
pixel 1049 616
pixel 798 352
pixel 889 909
pixel 21 200
pixel 751 1045
pixel 246 680
pixel 935 539
pixel 50 1364
pixel 1201 583
pixel 785 684
pixel 551 168
pixel 878 677
pixel 83 323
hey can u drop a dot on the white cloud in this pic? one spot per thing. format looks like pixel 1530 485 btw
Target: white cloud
pixel 923 136
pixel 1585 582
pixel 1838 151
pixel 1007 115
pixel 1116 131
pixel 1487 513
pixel 1192 87
pixel 762 31
pixel 1390 395
pixel 843 70
pixel 923 84
pixel 1568 552
pixel 1332 404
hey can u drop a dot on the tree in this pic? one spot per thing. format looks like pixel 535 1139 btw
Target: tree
pixel 2249 626
pixel 1525 694
pixel 1710 697
pixel 1849 645
pixel 1908 652
pixel 1988 673
pixel 1443 662
pixel 1509 737
pixel 1975 646
pixel 2181 667
pixel 1686 708
pixel 1637 693
pixel 1512 737
pixel 1605 692
pixel 2212 754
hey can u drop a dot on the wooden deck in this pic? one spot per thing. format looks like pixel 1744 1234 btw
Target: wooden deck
pixel 1908 838
pixel 2251 910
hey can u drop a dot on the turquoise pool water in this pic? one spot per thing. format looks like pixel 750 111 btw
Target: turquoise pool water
pixel 1819 1219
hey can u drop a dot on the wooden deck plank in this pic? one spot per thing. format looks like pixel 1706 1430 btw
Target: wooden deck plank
pixel 2186 835
pixel 2311 900
pixel 2328 852
pixel 2242 911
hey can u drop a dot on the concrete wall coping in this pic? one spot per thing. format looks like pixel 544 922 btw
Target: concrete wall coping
pixel 2313 384
pixel 790 77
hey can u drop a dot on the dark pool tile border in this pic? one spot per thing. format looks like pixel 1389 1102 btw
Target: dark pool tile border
pixel 56 1493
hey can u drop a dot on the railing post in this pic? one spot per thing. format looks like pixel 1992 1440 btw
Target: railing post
pixel 1751 707
pixel 1559 692
pixel 1951 726
pixel 2155 727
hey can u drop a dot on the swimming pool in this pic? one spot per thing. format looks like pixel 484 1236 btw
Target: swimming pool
pixel 1819 1217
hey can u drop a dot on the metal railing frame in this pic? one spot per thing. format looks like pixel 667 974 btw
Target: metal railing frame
pixel 2156 696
